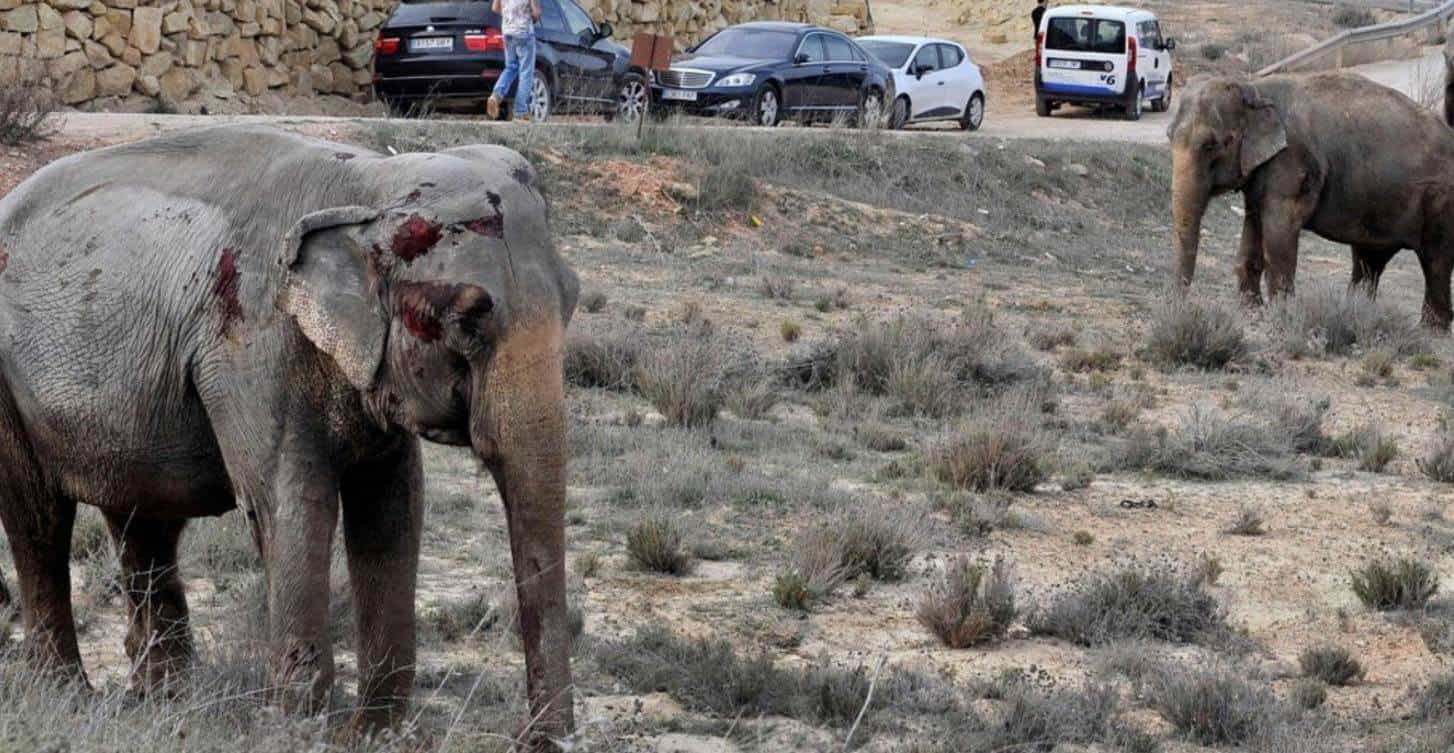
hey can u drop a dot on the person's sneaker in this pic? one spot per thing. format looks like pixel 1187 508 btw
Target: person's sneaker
pixel 492 107
pixel 522 117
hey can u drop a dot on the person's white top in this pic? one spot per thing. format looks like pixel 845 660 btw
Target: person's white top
pixel 515 17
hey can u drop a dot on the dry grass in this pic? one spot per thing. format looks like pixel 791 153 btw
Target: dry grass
pixel 26 111
pixel 1388 583
pixel 971 605
pixel 1133 602
pixel 654 544
pixel 1210 446
pixel 1249 522
pixel 1330 664
pixel 604 358
pixel 1201 334
pixel 682 377
pixel 1215 705
pixel 1439 463
pixel 1000 446
pixel 1328 321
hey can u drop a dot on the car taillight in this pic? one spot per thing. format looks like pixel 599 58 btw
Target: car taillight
pixel 1039 44
pixel 486 41
pixel 1130 55
pixel 386 45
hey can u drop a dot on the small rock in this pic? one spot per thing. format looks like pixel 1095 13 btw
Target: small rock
pixel 1032 162
pixel 1078 169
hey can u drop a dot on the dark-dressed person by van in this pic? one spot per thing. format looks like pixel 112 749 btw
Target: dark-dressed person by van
pixel 1035 16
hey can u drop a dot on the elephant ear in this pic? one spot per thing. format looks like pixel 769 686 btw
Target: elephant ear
pixel 326 289
pixel 1264 136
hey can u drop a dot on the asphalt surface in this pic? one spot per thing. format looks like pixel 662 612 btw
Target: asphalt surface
pixel 1420 78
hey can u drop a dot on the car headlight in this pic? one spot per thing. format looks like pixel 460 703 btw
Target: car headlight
pixel 738 79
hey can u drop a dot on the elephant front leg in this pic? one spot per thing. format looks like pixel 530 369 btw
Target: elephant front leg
pixel 1437 267
pixel 1250 259
pixel 159 642
pixel 1282 224
pixel 382 524
pixel 297 541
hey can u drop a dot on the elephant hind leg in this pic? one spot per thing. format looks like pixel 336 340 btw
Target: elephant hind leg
pixel 1437 266
pixel 159 641
pixel 38 521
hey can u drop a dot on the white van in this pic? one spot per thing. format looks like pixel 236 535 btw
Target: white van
pixel 1102 55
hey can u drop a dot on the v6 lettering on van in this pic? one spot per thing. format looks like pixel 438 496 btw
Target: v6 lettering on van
pixel 1108 79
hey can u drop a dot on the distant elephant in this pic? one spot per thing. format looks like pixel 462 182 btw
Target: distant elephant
pixel 1334 153
pixel 240 316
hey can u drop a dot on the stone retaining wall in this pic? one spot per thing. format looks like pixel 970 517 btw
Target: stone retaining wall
pixel 106 51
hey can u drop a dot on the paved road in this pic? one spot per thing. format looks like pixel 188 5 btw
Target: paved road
pixel 1421 78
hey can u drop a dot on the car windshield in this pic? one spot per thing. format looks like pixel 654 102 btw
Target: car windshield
pixel 893 54
pixel 1072 34
pixel 756 44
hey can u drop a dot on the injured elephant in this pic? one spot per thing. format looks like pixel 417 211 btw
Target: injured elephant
pixel 242 317
pixel 1337 154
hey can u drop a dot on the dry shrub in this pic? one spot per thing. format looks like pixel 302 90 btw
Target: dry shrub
pixel 1387 583
pixel 654 544
pixel 1439 464
pixel 1209 446
pixel 929 367
pixel 1186 332
pixel 594 301
pixel 1215 705
pixel 1131 602
pixel 1248 522
pixel 1045 718
pixel 751 398
pixel 1330 664
pixel 1367 443
pixel 1436 700
pixel 1000 446
pixel 605 358
pixel 876 540
pixel 25 112
pixel 682 377
pixel 973 604
pixel 1328 321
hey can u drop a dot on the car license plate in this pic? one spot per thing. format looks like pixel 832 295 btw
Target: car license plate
pixel 679 95
pixel 431 44
pixel 1070 65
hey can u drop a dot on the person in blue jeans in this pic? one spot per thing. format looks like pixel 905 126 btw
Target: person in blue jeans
pixel 517 24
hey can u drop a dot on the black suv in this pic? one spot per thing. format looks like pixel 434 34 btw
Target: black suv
pixel 433 53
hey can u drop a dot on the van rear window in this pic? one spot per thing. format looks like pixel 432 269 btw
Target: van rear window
pixel 1071 34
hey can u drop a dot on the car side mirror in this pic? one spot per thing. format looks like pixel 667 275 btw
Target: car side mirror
pixel 604 31
pixel 800 58
pixel 920 70
pixel 1170 44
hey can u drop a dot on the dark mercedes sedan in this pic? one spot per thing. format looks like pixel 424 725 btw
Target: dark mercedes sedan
pixel 767 72
pixel 442 53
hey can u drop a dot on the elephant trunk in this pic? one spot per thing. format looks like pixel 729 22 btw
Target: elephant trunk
pixel 1189 196
pixel 518 429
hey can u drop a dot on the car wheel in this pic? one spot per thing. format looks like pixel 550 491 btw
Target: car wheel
pixel 1164 103
pixel 973 113
pixel 632 99
pixel 871 110
pixel 766 107
pixel 541 104
pixel 899 115
pixel 1042 107
pixel 1133 110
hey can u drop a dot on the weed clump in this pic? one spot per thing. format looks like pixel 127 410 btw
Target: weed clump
pixel 25 112
pixel 654 544
pixel 1209 446
pixel 1185 332
pixel 682 377
pixel 973 604
pixel 1326 321
pixel 1386 583
pixel 1215 706
pixel 1330 664
pixel 1132 603
pixel 999 447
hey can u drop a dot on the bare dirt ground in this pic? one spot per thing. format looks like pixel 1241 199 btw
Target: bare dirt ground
pixel 760 239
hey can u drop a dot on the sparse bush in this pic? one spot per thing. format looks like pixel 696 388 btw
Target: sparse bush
pixel 1215 706
pixel 979 516
pixel 605 359
pixel 654 544
pixel 1132 603
pixel 1436 700
pixel 1387 583
pixel 751 399
pixel 683 379
pixel 1373 449
pixel 790 331
pixel 776 287
pixel 1381 511
pixel 1309 694
pixel 1050 339
pixel 724 187
pixel 1040 718
pixel 594 301
pixel 1439 464
pixel 1190 333
pixel 1211 447
pixel 1082 538
pixel 1300 422
pixel 929 367
pixel 1323 320
pixel 998 447
pixel 880 438
pixel 459 620
pixel 1248 522
pixel 1352 17
pixel 25 112
pixel 973 604
pixel 1330 664
pixel 870 539
pixel 1082 360
pixel 1213 51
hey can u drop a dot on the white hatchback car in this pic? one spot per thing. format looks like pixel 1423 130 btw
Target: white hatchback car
pixel 934 78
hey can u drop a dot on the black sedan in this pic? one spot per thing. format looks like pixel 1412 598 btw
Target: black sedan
pixel 432 53
pixel 766 72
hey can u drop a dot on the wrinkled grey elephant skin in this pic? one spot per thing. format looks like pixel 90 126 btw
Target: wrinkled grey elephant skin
pixel 1334 153
pixel 239 316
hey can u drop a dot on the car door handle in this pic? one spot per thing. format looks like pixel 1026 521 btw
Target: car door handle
pixel 941 83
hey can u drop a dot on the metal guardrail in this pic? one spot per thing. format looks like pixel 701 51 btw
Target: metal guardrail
pixel 1375 33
